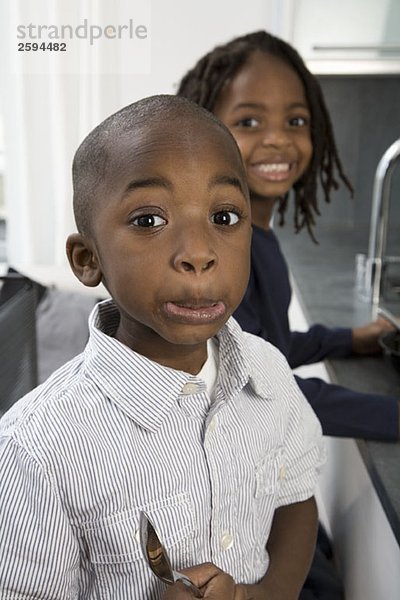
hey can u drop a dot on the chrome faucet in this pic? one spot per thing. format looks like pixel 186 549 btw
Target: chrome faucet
pixel 379 223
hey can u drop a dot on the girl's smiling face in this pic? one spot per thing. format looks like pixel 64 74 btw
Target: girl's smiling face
pixel 266 109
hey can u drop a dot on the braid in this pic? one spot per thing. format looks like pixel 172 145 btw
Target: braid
pixel 203 83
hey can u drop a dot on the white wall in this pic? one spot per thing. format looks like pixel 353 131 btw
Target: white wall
pixel 184 30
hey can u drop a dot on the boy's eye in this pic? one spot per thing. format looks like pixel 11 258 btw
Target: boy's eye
pixel 299 121
pixel 225 217
pixel 248 122
pixel 149 221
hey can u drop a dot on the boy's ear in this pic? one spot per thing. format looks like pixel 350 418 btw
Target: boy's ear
pixel 83 259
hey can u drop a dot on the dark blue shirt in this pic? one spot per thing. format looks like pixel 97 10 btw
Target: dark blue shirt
pixel 264 312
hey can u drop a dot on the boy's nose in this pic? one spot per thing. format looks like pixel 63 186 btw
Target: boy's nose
pixel 194 255
pixel 195 265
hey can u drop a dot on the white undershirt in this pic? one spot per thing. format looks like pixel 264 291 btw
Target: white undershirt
pixel 209 371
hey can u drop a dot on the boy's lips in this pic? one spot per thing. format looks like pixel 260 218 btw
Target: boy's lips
pixel 201 311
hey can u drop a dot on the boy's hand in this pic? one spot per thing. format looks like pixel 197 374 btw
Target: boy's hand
pixel 214 584
pixel 365 339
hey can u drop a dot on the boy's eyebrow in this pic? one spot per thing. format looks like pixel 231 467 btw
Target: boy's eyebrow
pixel 227 180
pixel 147 182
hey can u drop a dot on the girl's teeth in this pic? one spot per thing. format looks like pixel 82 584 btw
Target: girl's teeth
pixel 276 168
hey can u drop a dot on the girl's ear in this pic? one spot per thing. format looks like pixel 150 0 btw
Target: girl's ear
pixel 83 259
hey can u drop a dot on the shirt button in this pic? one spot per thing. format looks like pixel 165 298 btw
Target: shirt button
pixel 282 472
pixel 213 424
pixel 137 535
pixel 227 541
pixel 190 388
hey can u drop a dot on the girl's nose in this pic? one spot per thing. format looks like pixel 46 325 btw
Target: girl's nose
pixel 194 255
pixel 275 136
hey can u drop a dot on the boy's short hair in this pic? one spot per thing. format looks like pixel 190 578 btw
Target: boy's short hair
pixel 90 168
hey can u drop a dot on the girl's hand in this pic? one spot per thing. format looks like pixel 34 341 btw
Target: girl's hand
pixel 214 583
pixel 365 339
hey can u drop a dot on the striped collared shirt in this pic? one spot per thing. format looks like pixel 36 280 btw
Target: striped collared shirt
pixel 113 432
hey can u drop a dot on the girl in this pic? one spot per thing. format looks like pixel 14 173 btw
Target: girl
pixel 259 86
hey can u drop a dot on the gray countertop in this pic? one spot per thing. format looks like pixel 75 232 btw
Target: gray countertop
pixel 324 279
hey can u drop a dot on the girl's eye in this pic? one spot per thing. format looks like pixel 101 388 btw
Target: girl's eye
pixel 225 217
pixel 299 121
pixel 149 221
pixel 248 122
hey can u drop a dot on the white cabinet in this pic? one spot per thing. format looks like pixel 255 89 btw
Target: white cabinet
pixel 338 36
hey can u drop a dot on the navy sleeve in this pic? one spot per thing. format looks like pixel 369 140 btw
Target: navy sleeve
pixel 318 343
pixel 346 413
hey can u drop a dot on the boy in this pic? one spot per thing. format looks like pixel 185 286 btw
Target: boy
pixel 170 408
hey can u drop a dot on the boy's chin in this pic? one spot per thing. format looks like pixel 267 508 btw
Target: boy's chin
pixel 193 338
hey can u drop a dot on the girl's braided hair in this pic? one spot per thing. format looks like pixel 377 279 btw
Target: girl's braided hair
pixel 203 83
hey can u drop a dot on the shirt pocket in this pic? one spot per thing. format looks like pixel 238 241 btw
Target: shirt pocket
pixel 114 551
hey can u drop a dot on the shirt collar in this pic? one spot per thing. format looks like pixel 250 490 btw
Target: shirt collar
pixel 112 366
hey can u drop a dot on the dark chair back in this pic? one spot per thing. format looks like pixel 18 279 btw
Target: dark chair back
pixel 18 363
